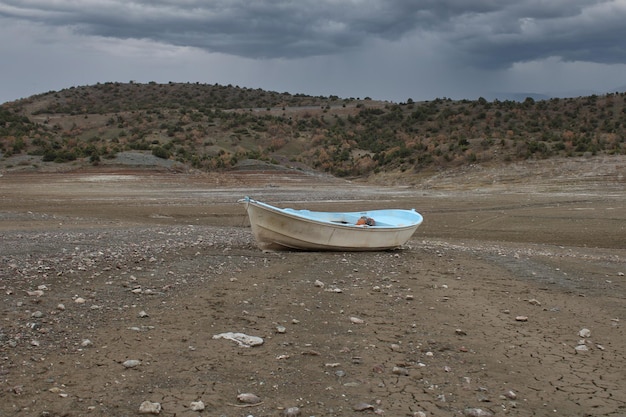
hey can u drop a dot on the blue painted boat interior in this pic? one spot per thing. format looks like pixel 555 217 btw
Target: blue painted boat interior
pixel 383 218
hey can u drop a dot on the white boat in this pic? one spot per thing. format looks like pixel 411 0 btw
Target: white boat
pixel 289 229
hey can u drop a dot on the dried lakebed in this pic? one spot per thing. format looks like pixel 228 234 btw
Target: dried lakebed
pixel 112 295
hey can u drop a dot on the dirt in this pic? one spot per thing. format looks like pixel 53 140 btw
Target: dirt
pixel 483 312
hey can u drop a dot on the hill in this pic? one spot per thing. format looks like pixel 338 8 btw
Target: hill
pixel 215 127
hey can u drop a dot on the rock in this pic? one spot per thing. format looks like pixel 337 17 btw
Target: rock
pixel 521 318
pixel 362 407
pixel 356 320
pixel 196 406
pixel 399 370
pixel 142 314
pixel 281 329
pixel 510 394
pixel 477 412
pixel 248 398
pixel 581 348
pixel 79 300
pixel 148 407
pixel 319 284
pixel 131 363
pixel 584 333
pixel 242 339
pixel 292 412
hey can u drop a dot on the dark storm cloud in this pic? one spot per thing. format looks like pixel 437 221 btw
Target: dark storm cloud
pixel 588 31
pixel 487 33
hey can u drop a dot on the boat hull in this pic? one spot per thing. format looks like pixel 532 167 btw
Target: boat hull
pixel 288 229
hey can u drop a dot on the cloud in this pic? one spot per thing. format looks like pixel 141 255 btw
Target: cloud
pixel 482 33
pixel 534 30
pixel 384 49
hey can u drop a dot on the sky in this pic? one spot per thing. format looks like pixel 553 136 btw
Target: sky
pixel 391 50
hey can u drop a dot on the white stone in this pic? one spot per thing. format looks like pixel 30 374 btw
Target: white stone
pixel 148 407
pixel 242 339
pixel 197 406
pixel 131 363
pixel 248 398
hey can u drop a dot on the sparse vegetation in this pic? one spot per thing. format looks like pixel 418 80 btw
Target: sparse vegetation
pixel 212 127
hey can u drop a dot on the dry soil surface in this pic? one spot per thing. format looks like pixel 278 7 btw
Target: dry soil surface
pixel 509 300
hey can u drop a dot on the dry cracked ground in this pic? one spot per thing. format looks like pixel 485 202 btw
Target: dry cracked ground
pixel 509 300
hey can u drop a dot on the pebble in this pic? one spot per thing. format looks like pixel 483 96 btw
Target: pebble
pixel 248 398
pixel 510 394
pixel 584 333
pixel 362 407
pixel 242 339
pixel 356 320
pixel 148 407
pixel 79 300
pixel 196 406
pixel 521 318
pixel 292 412
pixel 399 370
pixel 131 363
pixel 477 412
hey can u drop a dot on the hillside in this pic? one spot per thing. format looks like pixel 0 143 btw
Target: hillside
pixel 214 127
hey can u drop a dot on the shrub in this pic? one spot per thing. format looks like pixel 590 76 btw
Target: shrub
pixel 160 152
